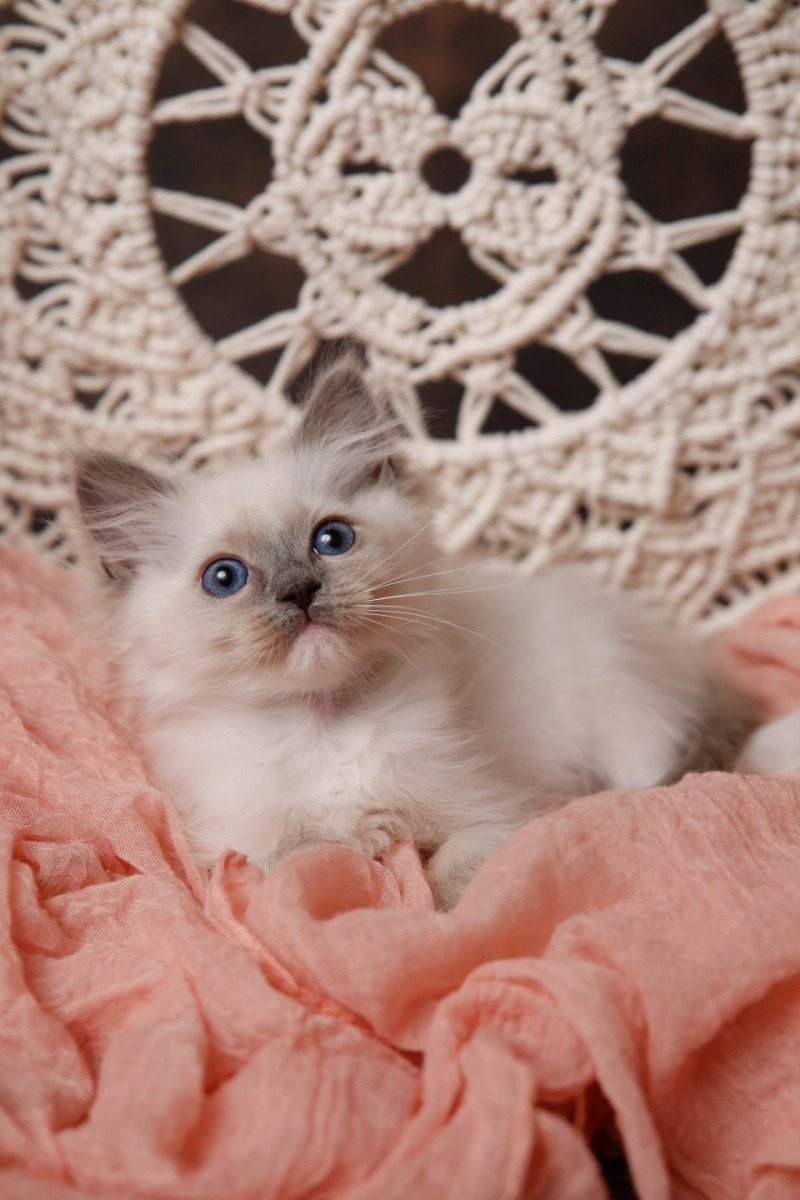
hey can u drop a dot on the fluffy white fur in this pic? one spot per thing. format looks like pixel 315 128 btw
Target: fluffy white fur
pixel 418 698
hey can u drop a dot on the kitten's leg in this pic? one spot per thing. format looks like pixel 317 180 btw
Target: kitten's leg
pixel 772 748
pixel 288 848
pixel 368 831
pixel 722 724
pixel 451 867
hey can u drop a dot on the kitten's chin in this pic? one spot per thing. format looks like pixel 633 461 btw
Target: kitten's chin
pixel 319 658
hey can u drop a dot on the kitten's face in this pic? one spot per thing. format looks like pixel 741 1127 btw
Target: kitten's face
pixel 248 593
pixel 275 577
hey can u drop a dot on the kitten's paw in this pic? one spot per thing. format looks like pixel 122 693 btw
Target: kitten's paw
pixel 269 860
pixel 450 869
pixel 772 748
pixel 375 831
pixel 447 880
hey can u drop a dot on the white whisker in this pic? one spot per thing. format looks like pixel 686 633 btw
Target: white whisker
pixel 402 614
pixel 403 545
pixel 490 587
pixel 382 625
pixel 409 577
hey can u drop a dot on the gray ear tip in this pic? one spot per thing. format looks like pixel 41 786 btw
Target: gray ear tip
pixel 84 463
pixel 344 360
pixel 102 480
pixel 91 469
pixel 87 467
pixel 91 461
pixel 347 372
pixel 349 350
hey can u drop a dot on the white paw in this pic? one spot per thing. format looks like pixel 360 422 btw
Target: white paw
pixel 375 831
pixel 446 881
pixel 772 748
pixel 450 869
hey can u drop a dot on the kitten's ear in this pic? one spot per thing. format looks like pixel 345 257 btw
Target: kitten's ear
pixel 341 406
pixel 343 412
pixel 117 503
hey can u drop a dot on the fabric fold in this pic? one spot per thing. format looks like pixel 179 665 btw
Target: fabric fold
pixel 627 967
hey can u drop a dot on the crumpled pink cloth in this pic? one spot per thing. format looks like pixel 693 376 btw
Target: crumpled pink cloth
pixel 627 968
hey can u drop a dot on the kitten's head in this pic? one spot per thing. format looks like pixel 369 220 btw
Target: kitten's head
pixel 285 575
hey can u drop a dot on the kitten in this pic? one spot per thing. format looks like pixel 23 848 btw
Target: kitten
pixel 312 669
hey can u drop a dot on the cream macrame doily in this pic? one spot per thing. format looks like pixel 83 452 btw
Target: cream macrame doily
pixel 684 482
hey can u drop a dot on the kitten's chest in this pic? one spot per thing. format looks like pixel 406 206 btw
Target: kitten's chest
pixel 257 780
pixel 364 756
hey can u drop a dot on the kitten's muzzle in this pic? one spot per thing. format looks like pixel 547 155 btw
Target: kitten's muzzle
pixel 301 594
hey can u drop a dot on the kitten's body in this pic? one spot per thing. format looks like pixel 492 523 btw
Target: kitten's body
pixel 410 698
pixel 459 736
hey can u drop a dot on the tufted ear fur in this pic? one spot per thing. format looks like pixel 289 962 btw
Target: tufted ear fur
pixel 345 415
pixel 117 502
pixel 342 408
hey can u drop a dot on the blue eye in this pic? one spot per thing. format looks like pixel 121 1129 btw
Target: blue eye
pixel 224 576
pixel 333 537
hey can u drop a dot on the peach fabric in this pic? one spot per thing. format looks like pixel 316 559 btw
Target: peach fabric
pixel 627 967
pixel 762 654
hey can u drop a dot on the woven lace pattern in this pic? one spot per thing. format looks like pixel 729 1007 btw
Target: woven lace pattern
pixel 683 482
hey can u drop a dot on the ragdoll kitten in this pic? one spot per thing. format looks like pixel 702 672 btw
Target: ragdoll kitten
pixel 311 669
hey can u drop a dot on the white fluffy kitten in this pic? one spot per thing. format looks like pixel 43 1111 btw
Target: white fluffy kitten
pixel 312 670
